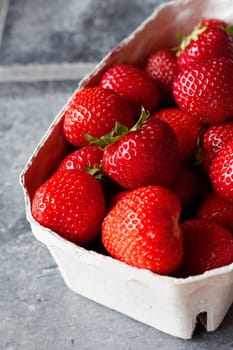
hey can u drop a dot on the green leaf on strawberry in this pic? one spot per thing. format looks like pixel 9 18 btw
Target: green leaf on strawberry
pixel 118 132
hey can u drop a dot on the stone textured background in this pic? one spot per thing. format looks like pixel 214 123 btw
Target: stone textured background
pixel 46 47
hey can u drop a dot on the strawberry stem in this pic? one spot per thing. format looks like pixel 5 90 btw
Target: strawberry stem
pixel 143 117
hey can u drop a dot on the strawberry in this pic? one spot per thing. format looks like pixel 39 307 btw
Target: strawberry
pixel 214 139
pixel 162 67
pixel 147 155
pixel 205 90
pixel 132 84
pixel 216 209
pixel 94 111
pixel 188 187
pixel 221 172
pixel 188 130
pixel 206 159
pixel 143 230
pixel 116 198
pixel 86 157
pixel 207 246
pixel 213 22
pixel 72 204
pixel 205 43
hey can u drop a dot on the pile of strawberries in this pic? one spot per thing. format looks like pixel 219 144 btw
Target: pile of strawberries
pixel 151 172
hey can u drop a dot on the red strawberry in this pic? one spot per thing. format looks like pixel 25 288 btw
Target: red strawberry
pixel 116 198
pixel 188 187
pixel 72 204
pixel 218 210
pixel 86 157
pixel 206 159
pixel 162 67
pixel 214 139
pixel 133 84
pixel 203 44
pixel 205 90
pixel 187 129
pixel 213 22
pixel 94 111
pixel 147 156
pixel 221 172
pixel 143 230
pixel 207 246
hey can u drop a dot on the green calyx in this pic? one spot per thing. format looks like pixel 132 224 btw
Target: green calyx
pixel 199 153
pixel 197 31
pixel 118 132
pixel 229 30
pixel 96 171
pixel 186 40
pixel 193 36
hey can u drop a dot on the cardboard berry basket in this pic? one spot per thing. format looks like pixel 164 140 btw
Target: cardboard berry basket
pixel 169 304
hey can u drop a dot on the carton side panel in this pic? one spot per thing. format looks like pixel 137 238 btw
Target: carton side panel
pixel 46 158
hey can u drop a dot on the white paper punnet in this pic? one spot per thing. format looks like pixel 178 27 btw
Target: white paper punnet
pixel 169 304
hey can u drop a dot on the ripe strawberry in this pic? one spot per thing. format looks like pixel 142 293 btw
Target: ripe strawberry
pixel 214 139
pixel 72 204
pixel 217 210
pixel 86 157
pixel 213 22
pixel 205 90
pixel 94 111
pixel 205 43
pixel 132 84
pixel 116 198
pixel 188 187
pixel 207 246
pixel 206 159
pixel 188 130
pixel 143 230
pixel 147 156
pixel 221 172
pixel 162 67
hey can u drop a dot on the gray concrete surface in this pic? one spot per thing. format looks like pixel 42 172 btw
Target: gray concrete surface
pixel 37 310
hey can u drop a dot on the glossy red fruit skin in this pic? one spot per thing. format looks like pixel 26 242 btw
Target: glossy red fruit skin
pixel 215 137
pixel 216 209
pixel 212 43
pixel 207 246
pixel 188 130
pixel 205 90
pixel 221 172
pixel 88 156
pixel 148 156
pixel 72 204
pixel 162 67
pixel 143 230
pixel 213 22
pixel 187 187
pixel 132 84
pixel 94 111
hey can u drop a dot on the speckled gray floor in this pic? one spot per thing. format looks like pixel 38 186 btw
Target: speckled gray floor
pixel 56 30
pixel 37 310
